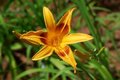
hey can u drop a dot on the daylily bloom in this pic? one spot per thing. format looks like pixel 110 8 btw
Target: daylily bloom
pixel 56 38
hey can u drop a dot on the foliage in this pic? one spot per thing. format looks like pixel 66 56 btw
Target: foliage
pixel 93 57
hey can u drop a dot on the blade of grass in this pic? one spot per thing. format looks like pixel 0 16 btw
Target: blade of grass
pixel 12 63
pixel 90 46
pixel 61 72
pixel 28 51
pixel 85 69
pixel 105 74
pixel 85 14
pixel 1 69
pixel 8 4
pixel 60 65
pixel 80 48
pixel 34 70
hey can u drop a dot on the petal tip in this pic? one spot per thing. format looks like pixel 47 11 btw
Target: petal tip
pixel 13 31
pixel 34 59
pixel 16 34
pixel 91 37
pixel 74 8
pixel 75 70
pixel 44 7
pixel 75 67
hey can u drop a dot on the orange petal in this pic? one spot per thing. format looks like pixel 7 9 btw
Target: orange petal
pixel 32 37
pixel 44 52
pixel 66 55
pixel 75 38
pixel 63 26
pixel 49 19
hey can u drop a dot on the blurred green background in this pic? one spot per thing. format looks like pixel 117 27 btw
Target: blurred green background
pixel 97 59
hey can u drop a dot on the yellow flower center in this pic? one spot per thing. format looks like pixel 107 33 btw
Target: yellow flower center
pixel 51 40
pixel 56 42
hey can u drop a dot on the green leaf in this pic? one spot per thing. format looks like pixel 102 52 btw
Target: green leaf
pixel 105 74
pixel 34 70
pixel 61 67
pixel 62 72
pixel 16 46
pixel 85 14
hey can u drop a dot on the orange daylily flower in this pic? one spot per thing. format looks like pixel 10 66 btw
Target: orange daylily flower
pixel 56 38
